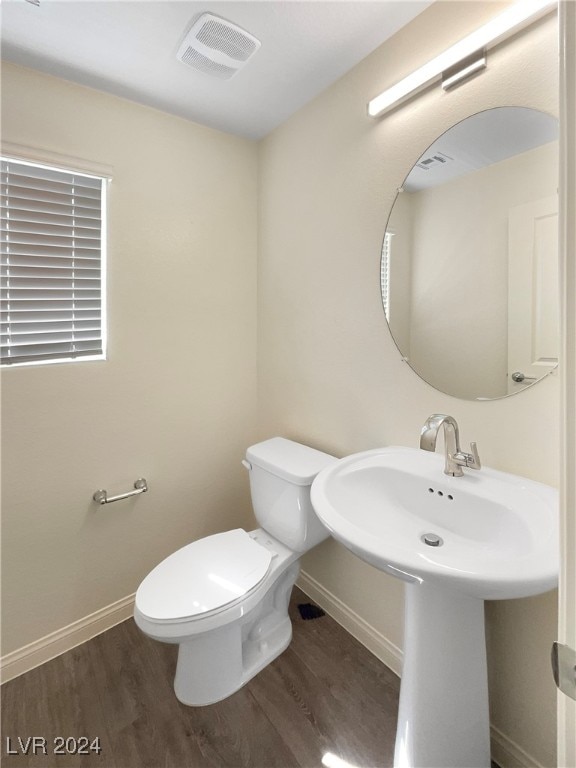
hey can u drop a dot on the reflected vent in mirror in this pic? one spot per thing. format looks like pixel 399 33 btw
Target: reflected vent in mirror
pixel 438 158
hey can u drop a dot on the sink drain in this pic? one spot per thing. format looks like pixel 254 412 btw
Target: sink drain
pixel 432 540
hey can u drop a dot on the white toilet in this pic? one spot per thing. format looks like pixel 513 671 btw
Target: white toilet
pixel 224 599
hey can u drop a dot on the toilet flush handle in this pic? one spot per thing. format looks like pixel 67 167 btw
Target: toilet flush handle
pixel 246 464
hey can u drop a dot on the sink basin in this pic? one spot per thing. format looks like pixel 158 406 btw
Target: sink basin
pixel 455 542
pixel 498 532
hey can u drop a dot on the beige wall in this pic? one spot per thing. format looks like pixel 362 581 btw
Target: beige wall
pixel 329 372
pixel 179 406
pixel 175 401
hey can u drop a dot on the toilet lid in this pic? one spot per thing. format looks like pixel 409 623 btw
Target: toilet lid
pixel 203 576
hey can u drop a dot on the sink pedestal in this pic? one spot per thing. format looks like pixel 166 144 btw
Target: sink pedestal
pixel 494 536
pixel 443 720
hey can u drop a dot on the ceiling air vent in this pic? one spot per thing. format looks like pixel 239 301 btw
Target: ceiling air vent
pixel 438 158
pixel 217 47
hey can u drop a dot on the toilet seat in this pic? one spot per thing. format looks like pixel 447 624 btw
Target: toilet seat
pixel 203 577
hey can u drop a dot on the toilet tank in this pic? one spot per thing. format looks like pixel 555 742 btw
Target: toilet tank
pixel 281 473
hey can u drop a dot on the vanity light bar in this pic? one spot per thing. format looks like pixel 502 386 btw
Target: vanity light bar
pixel 511 20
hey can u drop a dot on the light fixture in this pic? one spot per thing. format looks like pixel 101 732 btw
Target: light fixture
pixel 464 69
pixel 452 61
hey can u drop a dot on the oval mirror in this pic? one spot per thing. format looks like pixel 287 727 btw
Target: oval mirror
pixel 469 271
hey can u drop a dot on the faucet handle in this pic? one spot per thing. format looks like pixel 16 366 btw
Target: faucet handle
pixel 469 460
pixel 474 459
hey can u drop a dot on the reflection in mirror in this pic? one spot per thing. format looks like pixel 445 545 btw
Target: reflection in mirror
pixel 469 271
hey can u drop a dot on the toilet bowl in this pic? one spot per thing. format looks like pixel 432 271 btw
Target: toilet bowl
pixel 224 598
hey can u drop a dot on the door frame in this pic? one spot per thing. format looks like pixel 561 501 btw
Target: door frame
pixel 567 232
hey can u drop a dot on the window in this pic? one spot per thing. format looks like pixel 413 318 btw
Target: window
pixel 52 268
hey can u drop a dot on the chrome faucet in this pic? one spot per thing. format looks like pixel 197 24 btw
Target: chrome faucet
pixel 455 457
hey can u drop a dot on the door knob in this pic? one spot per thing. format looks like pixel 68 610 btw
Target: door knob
pixel 519 377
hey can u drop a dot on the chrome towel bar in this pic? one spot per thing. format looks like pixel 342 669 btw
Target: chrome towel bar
pixel 101 496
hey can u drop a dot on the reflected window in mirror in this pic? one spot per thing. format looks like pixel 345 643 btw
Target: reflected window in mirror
pixel 385 272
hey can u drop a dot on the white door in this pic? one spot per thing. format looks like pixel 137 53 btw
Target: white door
pixel 533 290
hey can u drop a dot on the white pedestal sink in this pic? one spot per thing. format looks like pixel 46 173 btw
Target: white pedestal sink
pixel 456 541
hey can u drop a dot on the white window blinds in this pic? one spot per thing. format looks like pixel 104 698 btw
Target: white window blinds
pixel 52 266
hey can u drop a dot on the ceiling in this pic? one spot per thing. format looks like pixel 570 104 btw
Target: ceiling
pixel 129 49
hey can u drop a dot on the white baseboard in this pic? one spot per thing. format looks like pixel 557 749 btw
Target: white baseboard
pixel 507 754
pixel 388 653
pixel 30 656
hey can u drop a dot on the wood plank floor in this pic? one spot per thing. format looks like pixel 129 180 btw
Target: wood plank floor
pixel 326 694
